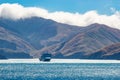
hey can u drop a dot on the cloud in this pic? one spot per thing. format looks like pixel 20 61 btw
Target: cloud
pixel 17 11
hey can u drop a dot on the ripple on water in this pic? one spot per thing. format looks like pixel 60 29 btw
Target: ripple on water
pixel 60 71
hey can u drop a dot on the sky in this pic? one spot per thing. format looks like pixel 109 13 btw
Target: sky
pixel 73 12
pixel 81 6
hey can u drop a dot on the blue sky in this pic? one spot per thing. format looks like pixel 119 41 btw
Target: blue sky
pixel 81 6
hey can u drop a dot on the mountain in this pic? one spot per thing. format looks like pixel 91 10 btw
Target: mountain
pixel 7 53
pixel 40 32
pixel 2 57
pixel 90 39
pixel 109 52
pixel 11 44
pixel 30 37
pixel 96 36
pixel 31 34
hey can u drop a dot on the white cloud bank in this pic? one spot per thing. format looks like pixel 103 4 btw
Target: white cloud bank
pixel 17 11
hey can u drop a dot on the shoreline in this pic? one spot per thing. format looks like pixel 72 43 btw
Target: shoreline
pixel 36 60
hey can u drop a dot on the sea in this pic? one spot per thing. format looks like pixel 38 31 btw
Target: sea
pixel 33 69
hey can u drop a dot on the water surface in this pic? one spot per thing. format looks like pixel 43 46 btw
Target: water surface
pixel 59 71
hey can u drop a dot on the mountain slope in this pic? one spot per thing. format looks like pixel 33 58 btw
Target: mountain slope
pixel 40 32
pixel 95 37
pixel 90 39
pixel 34 36
pixel 2 57
pixel 10 43
pixel 109 52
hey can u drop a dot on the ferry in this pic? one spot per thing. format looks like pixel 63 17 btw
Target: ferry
pixel 45 57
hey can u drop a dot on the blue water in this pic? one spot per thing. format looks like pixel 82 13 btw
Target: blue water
pixel 59 71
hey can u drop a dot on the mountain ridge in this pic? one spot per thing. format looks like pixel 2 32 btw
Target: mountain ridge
pixel 39 35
